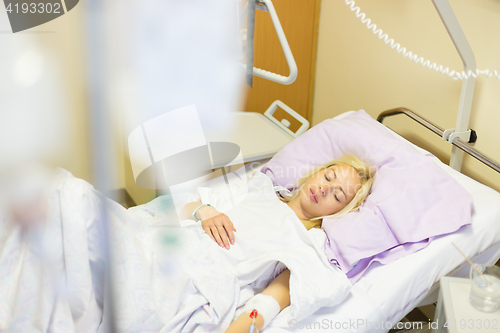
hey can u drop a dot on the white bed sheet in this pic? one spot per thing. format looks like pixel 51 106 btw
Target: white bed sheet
pixel 386 293
pixel 377 301
pixel 166 279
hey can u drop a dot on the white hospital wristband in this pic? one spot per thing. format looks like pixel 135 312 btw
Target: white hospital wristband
pixel 266 305
pixel 193 214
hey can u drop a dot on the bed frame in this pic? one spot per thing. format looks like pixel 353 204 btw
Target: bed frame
pixel 457 142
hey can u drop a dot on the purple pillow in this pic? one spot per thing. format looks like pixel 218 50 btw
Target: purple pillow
pixel 412 198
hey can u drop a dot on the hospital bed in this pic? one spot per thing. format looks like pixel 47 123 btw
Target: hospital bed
pixel 379 299
pixel 386 293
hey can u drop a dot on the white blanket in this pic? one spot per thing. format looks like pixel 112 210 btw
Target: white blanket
pixel 165 278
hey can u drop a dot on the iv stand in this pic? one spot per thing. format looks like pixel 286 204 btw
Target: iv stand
pixel 457 35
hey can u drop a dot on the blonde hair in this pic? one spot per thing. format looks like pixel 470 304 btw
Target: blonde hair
pixel 365 173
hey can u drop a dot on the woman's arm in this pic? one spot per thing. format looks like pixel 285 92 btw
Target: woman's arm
pixel 216 224
pixel 279 289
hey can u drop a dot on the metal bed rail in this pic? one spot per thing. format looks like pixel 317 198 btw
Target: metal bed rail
pixel 439 131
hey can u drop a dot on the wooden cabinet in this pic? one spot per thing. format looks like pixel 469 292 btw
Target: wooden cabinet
pixel 299 20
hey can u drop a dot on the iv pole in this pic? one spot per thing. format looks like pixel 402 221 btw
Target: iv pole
pixel 457 35
pixel 101 144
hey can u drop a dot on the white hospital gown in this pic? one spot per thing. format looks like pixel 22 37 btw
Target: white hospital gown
pixel 269 237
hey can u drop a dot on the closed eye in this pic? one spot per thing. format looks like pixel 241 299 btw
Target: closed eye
pixel 335 195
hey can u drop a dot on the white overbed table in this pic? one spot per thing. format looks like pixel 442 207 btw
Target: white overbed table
pixel 257 137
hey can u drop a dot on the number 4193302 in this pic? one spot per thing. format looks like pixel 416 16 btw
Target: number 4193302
pixel 473 324
pixel 32 8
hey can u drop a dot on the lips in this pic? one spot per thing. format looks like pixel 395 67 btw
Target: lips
pixel 312 196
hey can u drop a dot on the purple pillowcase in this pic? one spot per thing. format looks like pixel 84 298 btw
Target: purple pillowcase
pixel 411 201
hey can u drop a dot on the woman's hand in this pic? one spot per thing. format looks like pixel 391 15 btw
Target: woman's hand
pixel 217 225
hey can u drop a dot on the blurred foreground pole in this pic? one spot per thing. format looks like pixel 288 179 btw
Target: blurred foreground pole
pixel 100 127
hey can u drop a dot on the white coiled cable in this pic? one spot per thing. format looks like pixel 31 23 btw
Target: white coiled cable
pixel 412 56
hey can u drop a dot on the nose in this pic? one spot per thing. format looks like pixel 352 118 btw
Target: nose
pixel 326 188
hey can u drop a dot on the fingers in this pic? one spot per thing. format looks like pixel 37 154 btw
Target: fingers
pixel 209 232
pixel 220 229
pixel 229 229
pixel 223 236
pixel 218 237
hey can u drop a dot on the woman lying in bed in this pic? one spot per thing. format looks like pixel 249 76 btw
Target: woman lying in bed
pixel 330 190
pixel 194 286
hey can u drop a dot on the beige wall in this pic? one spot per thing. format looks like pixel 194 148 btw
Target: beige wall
pixel 356 70
pixel 64 39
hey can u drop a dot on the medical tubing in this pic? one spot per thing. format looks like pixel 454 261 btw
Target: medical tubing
pixel 265 305
pixel 414 57
pixel 253 315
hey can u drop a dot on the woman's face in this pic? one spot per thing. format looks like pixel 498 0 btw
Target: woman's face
pixel 329 190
